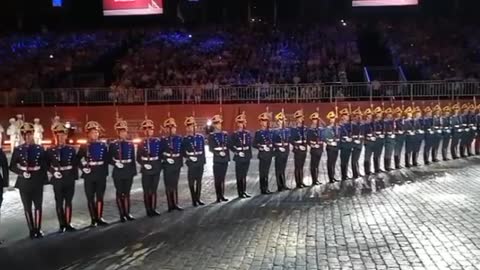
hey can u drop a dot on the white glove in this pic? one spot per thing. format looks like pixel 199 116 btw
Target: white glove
pixel 57 175
pixel 170 161
pixel 302 148
pixel 241 154
pixel 147 166
pixel 222 154
pixel 86 170
pixel 26 175
pixel 119 165
pixel 193 159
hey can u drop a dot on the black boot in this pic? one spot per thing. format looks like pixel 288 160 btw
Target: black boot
pixel 376 165
pixel 426 158
pixel 68 219
pixel 31 227
pixel 386 164
pixel 61 219
pixel 153 204
pixel 121 210
pixel 397 162
pixel 407 160
pixel 100 220
pixel 38 224
pixel 415 159
pixel 93 215
pixel 126 203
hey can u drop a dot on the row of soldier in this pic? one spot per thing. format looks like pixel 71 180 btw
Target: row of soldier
pixel 387 130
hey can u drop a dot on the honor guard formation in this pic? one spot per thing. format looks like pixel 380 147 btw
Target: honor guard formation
pixel 388 132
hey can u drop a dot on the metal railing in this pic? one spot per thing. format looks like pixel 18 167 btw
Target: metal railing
pixel 278 93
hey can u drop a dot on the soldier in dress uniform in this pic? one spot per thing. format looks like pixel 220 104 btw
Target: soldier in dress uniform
pixel 399 136
pixel 4 178
pixel 357 137
pixel 389 129
pixel 148 156
pixel 315 141
pixel 410 139
pixel 298 139
pixel 437 129
pixel 38 133
pixel 379 129
pixel 370 140
pixel 331 134
pixel 193 149
pixel 94 160
pixel 345 145
pixel 172 162
pixel 13 133
pixel 240 143
pixel 477 125
pixel 218 145
pixel 419 135
pixel 263 141
pixel 465 121
pixel 62 164
pixel 472 127
pixel 29 163
pixel 122 157
pixel 446 131
pixel 457 130
pixel 427 123
pixel 281 140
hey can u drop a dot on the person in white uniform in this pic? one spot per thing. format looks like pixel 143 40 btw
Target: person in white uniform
pixel 38 131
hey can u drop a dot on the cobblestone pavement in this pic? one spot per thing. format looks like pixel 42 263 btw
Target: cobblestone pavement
pixel 424 218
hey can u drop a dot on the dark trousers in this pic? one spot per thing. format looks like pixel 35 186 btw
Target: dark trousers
pixel 219 172
pixel 280 165
pixel 369 147
pixel 314 165
pixel 356 153
pixel 150 186
pixel 32 195
pixel 332 155
pixel 409 150
pixel 436 147
pixel 264 169
pixel 299 162
pixel 171 174
pixel 345 154
pixel 194 175
pixel 241 171
pixel 94 191
pixel 64 191
pixel 377 153
pixel 123 186
pixel 454 146
pixel 427 149
pixel 445 143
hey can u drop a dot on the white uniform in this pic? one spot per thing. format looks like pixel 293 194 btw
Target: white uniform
pixel 38 133
pixel 13 133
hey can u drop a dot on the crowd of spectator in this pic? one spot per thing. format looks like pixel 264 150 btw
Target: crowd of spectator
pixel 36 60
pixel 202 61
pixel 437 49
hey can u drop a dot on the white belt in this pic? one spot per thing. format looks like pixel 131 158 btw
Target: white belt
pixel 194 153
pixel 95 163
pixel 300 141
pixel 63 168
pixel 448 131
pixel 347 139
pixel 123 161
pixel 378 132
pixel 171 155
pixel 456 126
pixel 474 128
pixel 460 130
pixel 242 148
pixel 357 136
pixel 315 145
pixel 371 138
pixel 331 142
pixel 411 132
pixel 149 158
pixel 439 131
pixel 30 169
pixel 220 148
pixel 400 132
pixel 391 136
pixel 389 133
pixel 281 144
pixel 420 131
